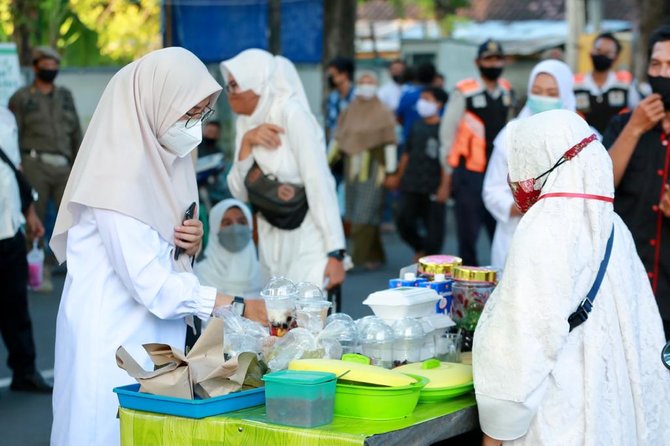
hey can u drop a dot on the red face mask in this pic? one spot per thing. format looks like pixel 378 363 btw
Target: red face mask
pixel 527 192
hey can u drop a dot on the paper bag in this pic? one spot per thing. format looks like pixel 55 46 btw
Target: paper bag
pixel 203 372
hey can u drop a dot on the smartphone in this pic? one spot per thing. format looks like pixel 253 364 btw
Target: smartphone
pixel 187 216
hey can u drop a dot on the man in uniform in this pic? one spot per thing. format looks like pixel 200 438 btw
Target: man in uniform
pixel 477 110
pixel 638 143
pixel 604 93
pixel 49 134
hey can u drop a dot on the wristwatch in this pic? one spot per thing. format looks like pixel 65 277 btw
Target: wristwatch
pixel 338 254
pixel 238 305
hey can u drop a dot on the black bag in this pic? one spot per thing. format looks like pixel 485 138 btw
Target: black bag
pixel 284 205
pixel 25 189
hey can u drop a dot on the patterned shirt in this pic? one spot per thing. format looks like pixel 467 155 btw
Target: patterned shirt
pixel 336 104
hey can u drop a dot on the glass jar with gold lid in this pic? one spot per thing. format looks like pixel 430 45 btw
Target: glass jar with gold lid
pixel 471 284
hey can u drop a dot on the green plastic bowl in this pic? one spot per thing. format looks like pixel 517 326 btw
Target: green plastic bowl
pixel 376 402
pixel 440 395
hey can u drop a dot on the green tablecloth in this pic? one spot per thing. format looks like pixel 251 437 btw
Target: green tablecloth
pixel 250 427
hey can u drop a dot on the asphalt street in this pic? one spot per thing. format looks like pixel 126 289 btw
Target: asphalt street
pixel 25 419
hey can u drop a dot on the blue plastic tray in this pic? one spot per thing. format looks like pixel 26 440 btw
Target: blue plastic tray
pixel 130 397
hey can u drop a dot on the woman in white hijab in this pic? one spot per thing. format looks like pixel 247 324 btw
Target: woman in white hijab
pixel 537 380
pixel 549 87
pixel 118 224
pixel 231 263
pixel 277 131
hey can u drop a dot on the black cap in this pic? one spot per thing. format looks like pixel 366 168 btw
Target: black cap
pixel 490 48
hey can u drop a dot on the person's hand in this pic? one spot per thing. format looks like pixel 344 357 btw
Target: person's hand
pixel 266 135
pixel 34 225
pixel 443 193
pixel 488 441
pixel 647 114
pixel 392 182
pixel 664 205
pixel 189 236
pixel 255 310
pixel 334 273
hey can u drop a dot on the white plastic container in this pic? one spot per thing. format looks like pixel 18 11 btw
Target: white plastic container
pixel 398 303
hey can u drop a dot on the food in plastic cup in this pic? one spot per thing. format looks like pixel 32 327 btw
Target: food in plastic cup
pixel 281 313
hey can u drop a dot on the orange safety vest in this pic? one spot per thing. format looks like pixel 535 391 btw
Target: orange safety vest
pixel 470 139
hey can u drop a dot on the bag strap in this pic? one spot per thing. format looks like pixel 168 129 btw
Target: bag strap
pixel 582 313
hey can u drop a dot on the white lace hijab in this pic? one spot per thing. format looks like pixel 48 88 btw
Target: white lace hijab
pixel 556 249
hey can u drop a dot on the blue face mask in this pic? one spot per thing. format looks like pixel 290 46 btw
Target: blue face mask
pixel 538 104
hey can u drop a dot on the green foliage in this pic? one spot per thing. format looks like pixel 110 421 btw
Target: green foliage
pixel 86 32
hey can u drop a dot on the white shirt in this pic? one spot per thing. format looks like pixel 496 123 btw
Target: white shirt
pixel 11 217
pixel 299 254
pixel 390 94
pixel 120 290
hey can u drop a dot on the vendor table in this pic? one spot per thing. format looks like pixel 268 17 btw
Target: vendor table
pixel 427 424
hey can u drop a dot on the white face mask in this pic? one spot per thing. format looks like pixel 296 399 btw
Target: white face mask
pixel 425 108
pixel 366 91
pixel 180 140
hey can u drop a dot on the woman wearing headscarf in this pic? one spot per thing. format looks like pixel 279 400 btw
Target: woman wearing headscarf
pixel 549 87
pixel 280 146
pixel 366 136
pixel 551 367
pixel 230 264
pixel 118 227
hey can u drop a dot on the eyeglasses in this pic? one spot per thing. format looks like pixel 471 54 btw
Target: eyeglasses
pixel 194 118
pixel 232 87
pixel 527 192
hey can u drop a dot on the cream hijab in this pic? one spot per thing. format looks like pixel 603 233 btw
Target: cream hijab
pixel 234 273
pixel 120 165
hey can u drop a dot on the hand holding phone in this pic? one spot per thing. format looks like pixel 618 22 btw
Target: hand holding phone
pixel 187 216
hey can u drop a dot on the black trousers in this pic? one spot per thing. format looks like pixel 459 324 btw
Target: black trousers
pixel 471 214
pixel 15 325
pixel 416 210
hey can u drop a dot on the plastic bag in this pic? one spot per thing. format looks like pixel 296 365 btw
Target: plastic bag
pixel 35 266
pixel 240 334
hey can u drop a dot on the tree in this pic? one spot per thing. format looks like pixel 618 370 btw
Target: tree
pixel 339 32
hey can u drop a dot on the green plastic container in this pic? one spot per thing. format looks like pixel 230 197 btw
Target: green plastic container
pixel 300 398
pixel 377 402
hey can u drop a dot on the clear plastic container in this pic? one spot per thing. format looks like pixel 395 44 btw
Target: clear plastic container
pixel 308 291
pixel 312 314
pixel 300 398
pixel 280 299
pixel 340 317
pixel 409 339
pixel 428 347
pixel 376 339
pixel 363 322
pixel 345 332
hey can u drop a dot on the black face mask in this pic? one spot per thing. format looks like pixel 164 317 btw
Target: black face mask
pixel 491 73
pixel 398 79
pixel 601 63
pixel 209 141
pixel 46 75
pixel 661 85
pixel 331 83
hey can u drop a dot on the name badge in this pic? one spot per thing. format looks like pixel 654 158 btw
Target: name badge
pixel 582 101
pixel 616 98
pixel 479 101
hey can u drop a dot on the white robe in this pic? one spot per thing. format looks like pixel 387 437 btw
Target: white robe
pixel 536 382
pixel 120 289
pixel 498 201
pixel 299 254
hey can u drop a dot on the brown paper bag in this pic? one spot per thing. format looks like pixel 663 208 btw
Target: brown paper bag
pixel 203 372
